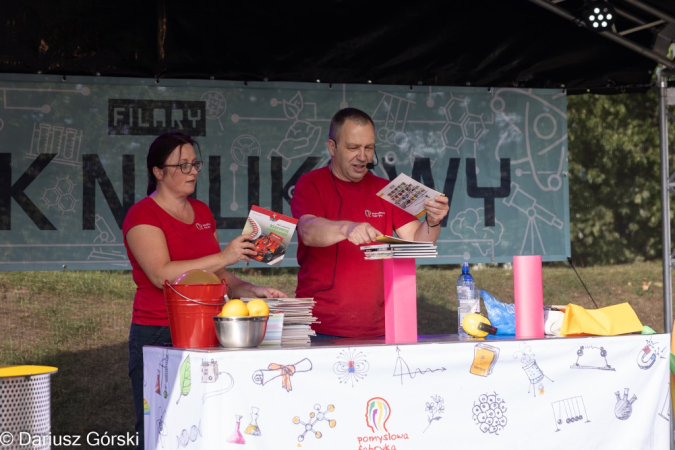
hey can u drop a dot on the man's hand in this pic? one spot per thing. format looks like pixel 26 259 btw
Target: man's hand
pixel 359 233
pixel 436 209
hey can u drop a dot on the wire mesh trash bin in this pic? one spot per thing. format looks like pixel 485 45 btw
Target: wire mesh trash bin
pixel 25 407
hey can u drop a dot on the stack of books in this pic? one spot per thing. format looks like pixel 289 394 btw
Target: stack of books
pixel 391 247
pixel 298 318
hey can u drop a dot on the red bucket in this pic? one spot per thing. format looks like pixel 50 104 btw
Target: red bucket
pixel 191 308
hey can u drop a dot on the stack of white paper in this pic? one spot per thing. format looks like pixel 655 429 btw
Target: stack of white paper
pixel 298 318
pixel 391 247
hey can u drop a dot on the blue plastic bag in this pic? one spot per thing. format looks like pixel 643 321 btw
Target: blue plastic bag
pixel 501 315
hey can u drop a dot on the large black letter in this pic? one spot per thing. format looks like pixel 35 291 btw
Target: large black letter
pixel 489 193
pixel 92 171
pixel 16 191
pixel 307 166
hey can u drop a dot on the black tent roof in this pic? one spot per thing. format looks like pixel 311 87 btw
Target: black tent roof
pixel 457 42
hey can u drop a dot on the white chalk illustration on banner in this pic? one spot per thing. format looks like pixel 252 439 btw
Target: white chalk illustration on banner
pixel 65 142
pixel 106 237
pixel 489 413
pixel 624 407
pixel 162 384
pixel 570 410
pixel 391 115
pixel 315 416
pixel 60 196
pixel 234 205
pixel 592 359
pixel 532 370
pixel 274 370
pixel 253 429
pixel 161 428
pixel 484 359
pixel 401 368
pixel 351 366
pixel 216 105
pixel 469 225
pixel 301 137
pixel 189 436
pixel 542 135
pixel 528 205
pixel 184 378
pixel 214 379
pixel 648 355
pixel 463 129
pixel 243 147
pixel 434 409
pixel 665 408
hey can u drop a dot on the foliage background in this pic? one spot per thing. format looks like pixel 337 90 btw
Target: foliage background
pixel 614 170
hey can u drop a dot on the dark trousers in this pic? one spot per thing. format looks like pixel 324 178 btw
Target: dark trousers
pixel 140 335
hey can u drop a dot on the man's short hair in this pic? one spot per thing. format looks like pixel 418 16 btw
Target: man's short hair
pixel 352 114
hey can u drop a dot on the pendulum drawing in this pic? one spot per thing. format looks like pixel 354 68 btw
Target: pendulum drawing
pixel 236 437
pixel 252 427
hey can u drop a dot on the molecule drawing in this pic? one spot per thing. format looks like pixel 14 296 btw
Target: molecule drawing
pixel 61 195
pixel 315 417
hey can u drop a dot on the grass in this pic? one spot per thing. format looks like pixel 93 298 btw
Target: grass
pixel 79 322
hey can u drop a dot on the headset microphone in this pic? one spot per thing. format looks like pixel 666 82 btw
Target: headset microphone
pixel 370 165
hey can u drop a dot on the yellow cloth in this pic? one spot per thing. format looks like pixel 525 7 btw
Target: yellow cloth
pixel 608 321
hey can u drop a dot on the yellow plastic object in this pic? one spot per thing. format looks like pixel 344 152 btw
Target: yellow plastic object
pixel 608 321
pixel 25 371
pixel 477 325
pixel 198 276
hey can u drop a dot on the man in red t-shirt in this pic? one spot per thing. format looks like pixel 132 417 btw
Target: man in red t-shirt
pixel 338 211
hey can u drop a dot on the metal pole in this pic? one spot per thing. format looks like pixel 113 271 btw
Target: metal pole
pixel 662 82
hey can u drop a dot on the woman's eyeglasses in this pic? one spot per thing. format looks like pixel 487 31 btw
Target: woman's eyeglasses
pixel 186 168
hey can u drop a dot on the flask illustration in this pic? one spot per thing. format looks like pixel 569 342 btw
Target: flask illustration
pixel 236 436
pixel 252 427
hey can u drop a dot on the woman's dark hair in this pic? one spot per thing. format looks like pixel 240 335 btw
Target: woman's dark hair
pixel 161 148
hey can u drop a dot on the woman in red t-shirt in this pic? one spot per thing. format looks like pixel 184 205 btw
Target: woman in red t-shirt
pixel 166 234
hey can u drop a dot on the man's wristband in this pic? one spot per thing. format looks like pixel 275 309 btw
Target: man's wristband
pixel 426 219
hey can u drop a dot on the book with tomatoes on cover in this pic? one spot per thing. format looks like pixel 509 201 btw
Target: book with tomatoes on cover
pixel 271 234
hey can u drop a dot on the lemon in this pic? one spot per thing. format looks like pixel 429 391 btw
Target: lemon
pixel 234 308
pixel 257 307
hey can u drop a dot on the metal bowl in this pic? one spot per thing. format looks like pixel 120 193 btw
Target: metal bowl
pixel 240 332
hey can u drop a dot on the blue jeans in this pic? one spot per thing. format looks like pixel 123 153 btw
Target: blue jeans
pixel 140 335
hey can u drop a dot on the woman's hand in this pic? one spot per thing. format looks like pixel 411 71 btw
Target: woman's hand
pixel 265 292
pixel 237 249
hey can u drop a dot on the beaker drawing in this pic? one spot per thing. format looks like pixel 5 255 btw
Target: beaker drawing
pixel 236 437
pixel 252 427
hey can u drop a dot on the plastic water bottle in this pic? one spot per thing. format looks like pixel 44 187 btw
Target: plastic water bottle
pixel 466 296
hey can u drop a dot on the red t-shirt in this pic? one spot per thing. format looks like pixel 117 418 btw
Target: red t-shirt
pixel 185 242
pixel 348 290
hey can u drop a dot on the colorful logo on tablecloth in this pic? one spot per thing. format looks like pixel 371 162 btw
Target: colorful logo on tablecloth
pixel 378 412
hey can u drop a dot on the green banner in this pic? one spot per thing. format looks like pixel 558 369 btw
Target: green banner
pixel 72 160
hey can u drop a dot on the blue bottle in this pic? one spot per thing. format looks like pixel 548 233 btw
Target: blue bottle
pixel 466 297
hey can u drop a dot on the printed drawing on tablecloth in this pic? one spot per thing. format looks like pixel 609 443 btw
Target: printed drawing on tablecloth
pixel 187 436
pixel 489 413
pixel 401 369
pixel 649 354
pixel 532 370
pixel 569 411
pixel 434 409
pixel 351 366
pixel 624 407
pixel 484 359
pixel 592 357
pixel 216 381
pixel 274 370
pixel 314 417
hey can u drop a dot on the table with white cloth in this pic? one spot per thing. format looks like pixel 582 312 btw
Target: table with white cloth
pixel 553 393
